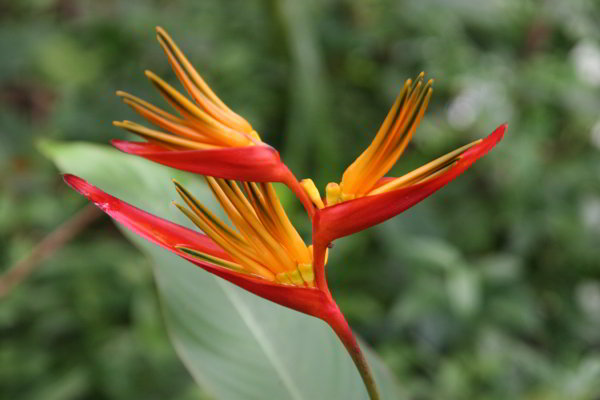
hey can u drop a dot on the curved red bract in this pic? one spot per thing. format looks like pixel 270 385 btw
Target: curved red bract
pixel 259 163
pixel 169 235
pixel 355 215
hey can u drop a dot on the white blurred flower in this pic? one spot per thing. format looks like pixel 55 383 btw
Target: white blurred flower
pixel 476 99
pixel 462 111
pixel 586 59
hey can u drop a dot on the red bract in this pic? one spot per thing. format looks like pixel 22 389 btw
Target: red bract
pixel 356 215
pixel 172 237
pixel 259 163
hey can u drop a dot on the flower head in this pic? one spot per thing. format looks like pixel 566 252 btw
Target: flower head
pixel 204 123
pixel 204 136
pixel 262 252
pixel 364 174
pixel 253 262
pixel 365 197
pixel 265 244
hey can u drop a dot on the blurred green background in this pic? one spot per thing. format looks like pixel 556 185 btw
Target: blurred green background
pixel 489 289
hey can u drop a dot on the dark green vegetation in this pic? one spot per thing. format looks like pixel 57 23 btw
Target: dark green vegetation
pixel 489 289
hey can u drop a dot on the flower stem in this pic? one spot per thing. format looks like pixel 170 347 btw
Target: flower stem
pixel 334 317
pixel 339 325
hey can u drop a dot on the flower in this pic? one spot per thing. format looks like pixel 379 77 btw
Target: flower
pixel 364 197
pixel 386 201
pixel 363 176
pixel 257 257
pixel 263 253
pixel 207 137
pixel 265 245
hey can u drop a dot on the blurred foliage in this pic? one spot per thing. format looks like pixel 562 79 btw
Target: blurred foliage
pixel 490 289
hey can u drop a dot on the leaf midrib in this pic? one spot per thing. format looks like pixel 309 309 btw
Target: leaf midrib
pixel 261 338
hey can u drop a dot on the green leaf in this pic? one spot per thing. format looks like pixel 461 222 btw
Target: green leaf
pixel 235 345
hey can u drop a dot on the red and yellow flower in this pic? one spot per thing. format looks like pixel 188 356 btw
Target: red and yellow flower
pixel 263 253
pixel 206 137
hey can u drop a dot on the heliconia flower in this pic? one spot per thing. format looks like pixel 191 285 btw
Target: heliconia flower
pixel 349 217
pixel 206 137
pixel 264 255
pixel 365 197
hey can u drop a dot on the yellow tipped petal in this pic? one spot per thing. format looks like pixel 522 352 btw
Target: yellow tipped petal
pixel 295 277
pixel 254 135
pixel 407 129
pixel 141 103
pixel 212 259
pixel 194 75
pixel 244 259
pixel 332 193
pixel 200 210
pixel 161 137
pixel 172 126
pixel 426 171
pixel 352 175
pixel 247 212
pixel 283 277
pixel 253 233
pixel 307 272
pixel 221 132
pixel 261 208
pixel 226 117
pixel 313 193
pixel 263 245
pixel 390 141
pixel 295 243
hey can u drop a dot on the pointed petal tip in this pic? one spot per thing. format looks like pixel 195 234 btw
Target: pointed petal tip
pixel 122 145
pixel 81 186
pixel 486 144
pixel 176 183
pixel 125 146
pixel 136 148
pixel 76 183
pixel 499 131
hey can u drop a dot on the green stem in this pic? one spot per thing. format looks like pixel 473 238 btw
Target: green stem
pixel 339 325
pixel 334 317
